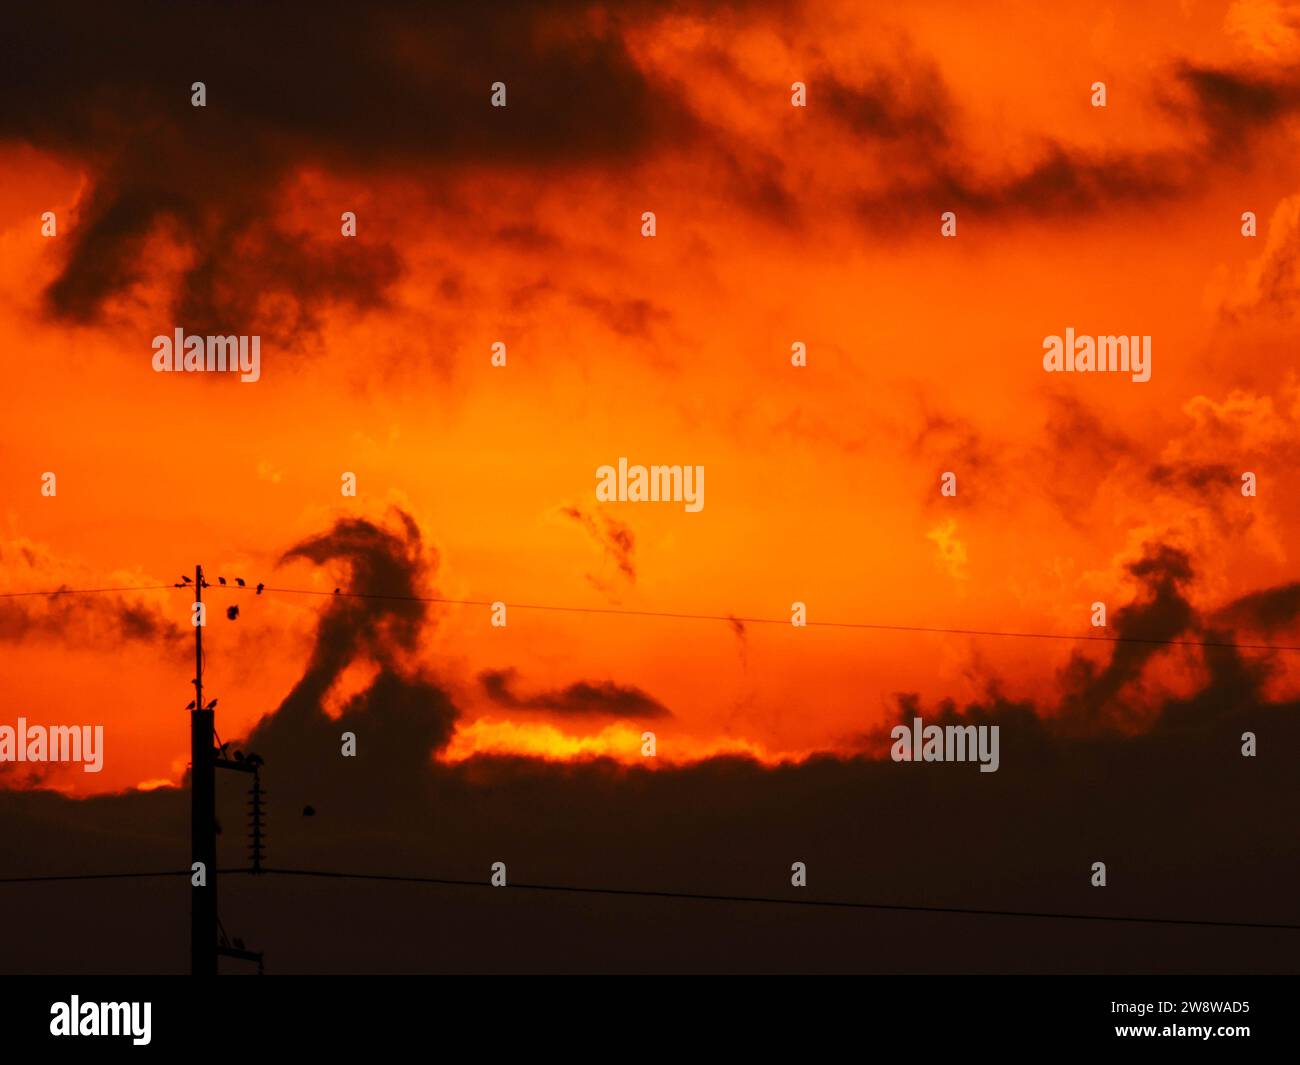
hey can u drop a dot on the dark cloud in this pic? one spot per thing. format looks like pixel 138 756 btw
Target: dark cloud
pixel 1232 105
pixel 404 89
pixel 581 699
pixel 627 317
pixel 101 620
pixel 1224 110
pixel 614 537
pixel 405 92
pixel 400 719
pixel 1162 613
pixel 1268 611
pixel 1197 476
pixel 380 618
pixel 910 104
pixel 1100 698
pixel 870 830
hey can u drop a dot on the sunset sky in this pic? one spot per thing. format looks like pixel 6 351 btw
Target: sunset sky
pixel 775 224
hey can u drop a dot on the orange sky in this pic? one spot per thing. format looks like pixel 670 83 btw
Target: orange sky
pixel 775 225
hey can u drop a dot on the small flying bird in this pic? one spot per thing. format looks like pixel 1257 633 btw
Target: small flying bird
pixel 232 612
pixel 239 581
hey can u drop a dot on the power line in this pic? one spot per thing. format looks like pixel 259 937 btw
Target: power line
pixel 684 616
pixel 964 911
pixel 779 621
pixel 692 896
pixel 88 591
pixel 91 876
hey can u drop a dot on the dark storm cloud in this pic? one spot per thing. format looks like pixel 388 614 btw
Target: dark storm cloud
pixel 1231 105
pixel 403 89
pixel 580 699
pixel 626 317
pixel 400 719
pixel 89 621
pixel 1197 476
pixel 1093 693
pixel 1101 698
pixel 1224 110
pixel 380 618
pixel 396 86
pixel 1271 610
pixel 1187 827
pixel 911 105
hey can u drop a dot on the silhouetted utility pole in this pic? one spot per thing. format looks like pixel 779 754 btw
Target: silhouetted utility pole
pixel 205 759
pixel 203 812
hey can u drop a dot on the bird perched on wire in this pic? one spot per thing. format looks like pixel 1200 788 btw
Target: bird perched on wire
pixel 259 588
pixel 221 580
pixel 186 579
pixel 239 581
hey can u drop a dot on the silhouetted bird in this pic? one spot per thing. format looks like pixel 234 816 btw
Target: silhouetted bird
pixel 221 580
pixel 259 588
pixel 336 591
pixel 239 581
pixel 232 612
pixel 309 811
pixel 239 943
pixel 186 579
pixel 239 756
pixel 211 706
pixel 254 759
pixel 191 706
